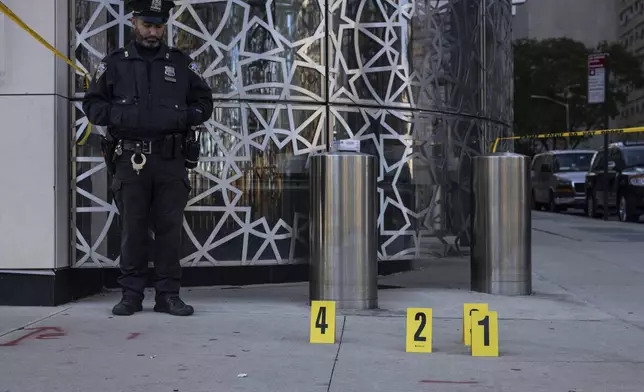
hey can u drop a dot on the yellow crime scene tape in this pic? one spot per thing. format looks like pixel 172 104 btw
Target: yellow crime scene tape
pixel 615 131
pixel 5 10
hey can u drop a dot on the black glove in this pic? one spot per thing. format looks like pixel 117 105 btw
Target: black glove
pixel 191 150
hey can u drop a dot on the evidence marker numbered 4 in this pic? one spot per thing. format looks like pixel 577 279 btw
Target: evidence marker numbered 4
pixel 322 322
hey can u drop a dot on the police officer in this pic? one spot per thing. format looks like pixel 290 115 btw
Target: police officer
pixel 149 96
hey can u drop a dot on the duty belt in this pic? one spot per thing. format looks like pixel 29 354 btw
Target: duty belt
pixel 143 146
pixel 168 147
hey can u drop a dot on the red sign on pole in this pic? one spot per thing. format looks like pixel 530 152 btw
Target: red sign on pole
pixel 597 77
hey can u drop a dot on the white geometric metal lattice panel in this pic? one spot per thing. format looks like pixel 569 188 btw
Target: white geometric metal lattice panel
pixel 424 103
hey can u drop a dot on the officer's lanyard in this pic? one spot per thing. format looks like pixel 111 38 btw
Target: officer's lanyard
pixel 5 10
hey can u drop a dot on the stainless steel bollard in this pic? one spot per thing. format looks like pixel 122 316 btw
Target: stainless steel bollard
pixel 343 229
pixel 501 249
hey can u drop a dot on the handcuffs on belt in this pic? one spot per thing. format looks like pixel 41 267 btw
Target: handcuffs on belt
pixel 138 151
pixel 138 166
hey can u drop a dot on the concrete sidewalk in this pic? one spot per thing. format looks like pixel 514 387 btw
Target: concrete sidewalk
pixel 582 331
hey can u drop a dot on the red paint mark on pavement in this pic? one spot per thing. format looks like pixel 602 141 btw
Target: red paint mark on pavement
pixel 38 334
pixel 133 335
pixel 447 382
pixel 50 335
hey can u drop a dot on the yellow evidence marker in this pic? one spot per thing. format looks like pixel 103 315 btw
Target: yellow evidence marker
pixel 322 322
pixel 466 334
pixel 419 330
pixel 485 334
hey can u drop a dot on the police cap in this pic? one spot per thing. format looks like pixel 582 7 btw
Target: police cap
pixel 151 11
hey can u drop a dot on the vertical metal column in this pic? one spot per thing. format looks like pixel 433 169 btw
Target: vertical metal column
pixel 501 258
pixel 343 229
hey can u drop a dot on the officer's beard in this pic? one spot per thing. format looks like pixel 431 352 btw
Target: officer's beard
pixel 147 42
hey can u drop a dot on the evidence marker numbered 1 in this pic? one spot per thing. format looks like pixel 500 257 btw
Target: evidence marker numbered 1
pixel 485 334
pixel 418 330
pixel 322 323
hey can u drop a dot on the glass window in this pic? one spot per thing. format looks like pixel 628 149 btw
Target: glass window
pixel 573 162
pixel 634 156
pixel 615 155
pixel 550 161
pixel 598 163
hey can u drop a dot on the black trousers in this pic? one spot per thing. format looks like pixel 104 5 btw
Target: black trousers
pixel 156 198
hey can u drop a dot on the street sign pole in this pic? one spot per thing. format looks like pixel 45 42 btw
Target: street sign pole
pixel 598 82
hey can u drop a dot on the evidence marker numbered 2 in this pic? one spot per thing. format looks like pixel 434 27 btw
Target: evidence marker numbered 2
pixel 418 330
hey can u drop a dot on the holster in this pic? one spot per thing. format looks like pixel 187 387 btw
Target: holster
pixel 191 149
pixel 108 145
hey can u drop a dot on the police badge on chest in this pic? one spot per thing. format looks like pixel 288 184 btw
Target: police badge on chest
pixel 169 74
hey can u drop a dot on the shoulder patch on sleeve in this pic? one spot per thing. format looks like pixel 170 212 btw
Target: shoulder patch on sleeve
pixel 100 70
pixel 194 67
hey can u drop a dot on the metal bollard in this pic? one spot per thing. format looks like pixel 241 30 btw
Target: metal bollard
pixel 501 249
pixel 343 229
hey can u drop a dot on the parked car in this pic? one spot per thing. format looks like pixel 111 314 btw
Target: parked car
pixel 559 179
pixel 623 185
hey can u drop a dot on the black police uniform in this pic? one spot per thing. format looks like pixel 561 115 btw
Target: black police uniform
pixel 149 99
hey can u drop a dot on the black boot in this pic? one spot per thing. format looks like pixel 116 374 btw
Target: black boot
pixel 173 305
pixel 127 306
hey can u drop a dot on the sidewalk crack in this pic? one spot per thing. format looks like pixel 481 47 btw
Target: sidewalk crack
pixel 337 353
pixel 34 322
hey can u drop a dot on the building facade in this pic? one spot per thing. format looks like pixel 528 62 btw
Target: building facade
pixel 423 84
pixel 630 31
pixel 587 21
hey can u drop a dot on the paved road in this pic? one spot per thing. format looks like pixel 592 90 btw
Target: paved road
pixel 576 226
pixel 612 215
pixel 582 331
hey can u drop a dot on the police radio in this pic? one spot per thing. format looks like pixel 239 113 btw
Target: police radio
pixel 192 148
